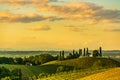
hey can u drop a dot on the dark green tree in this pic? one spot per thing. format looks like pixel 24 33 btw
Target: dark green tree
pixel 87 53
pixel 73 51
pixel 95 53
pixel 59 56
pixel 100 51
pixel 84 52
pixel 80 52
pixel 62 55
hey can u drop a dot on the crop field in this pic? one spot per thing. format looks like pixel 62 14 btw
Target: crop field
pixel 112 74
pixel 72 75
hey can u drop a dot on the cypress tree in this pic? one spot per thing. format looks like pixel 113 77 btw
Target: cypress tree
pixel 100 51
pixel 59 57
pixel 62 55
pixel 84 52
pixel 87 52
pixel 80 52
pixel 73 51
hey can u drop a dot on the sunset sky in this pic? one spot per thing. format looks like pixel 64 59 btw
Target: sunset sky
pixel 59 24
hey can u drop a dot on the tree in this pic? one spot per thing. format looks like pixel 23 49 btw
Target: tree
pixel 4 72
pixel 73 51
pixel 87 52
pixel 95 53
pixel 18 61
pixel 59 56
pixel 84 52
pixel 100 51
pixel 80 52
pixel 62 57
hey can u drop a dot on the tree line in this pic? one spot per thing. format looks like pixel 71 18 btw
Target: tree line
pixel 43 58
pixel 81 53
pixel 34 60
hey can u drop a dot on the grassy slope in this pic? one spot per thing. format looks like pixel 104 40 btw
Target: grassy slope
pixel 112 74
pixel 26 70
pixel 51 67
pixel 72 75
pixel 29 71
pixel 85 62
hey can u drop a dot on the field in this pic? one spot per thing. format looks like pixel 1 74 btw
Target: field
pixel 72 75
pixel 29 71
pixel 82 67
pixel 71 69
pixel 83 63
pixel 112 74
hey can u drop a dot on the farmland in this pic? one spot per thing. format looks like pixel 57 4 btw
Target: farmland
pixel 67 69
pixel 112 74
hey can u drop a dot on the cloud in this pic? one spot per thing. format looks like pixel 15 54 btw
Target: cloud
pixel 23 2
pixel 84 11
pixel 40 28
pixel 80 11
pixel 75 28
pixel 112 30
pixel 25 18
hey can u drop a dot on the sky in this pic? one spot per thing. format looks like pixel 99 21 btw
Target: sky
pixel 59 24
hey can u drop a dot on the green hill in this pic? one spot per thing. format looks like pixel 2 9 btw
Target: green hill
pixel 29 71
pixel 86 66
pixel 84 63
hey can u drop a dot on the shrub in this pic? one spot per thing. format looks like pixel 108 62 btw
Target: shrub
pixel 41 75
pixel 60 69
pixel 6 78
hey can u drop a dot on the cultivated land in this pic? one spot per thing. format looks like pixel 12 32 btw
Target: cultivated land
pixel 82 67
pixel 69 69
pixel 112 74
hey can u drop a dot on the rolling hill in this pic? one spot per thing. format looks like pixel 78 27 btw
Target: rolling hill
pixel 86 67
pixel 76 68
pixel 88 62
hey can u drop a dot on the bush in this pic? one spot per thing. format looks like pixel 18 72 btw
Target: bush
pixel 60 69
pixel 6 78
pixel 41 75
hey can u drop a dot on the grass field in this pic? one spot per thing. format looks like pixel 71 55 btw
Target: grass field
pixel 112 74
pixel 80 67
pixel 84 63
pixel 72 75
pixel 85 66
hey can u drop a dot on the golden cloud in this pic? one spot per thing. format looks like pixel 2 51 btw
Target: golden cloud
pixel 81 11
pixel 84 11
pixel 112 30
pixel 23 2
pixel 25 18
pixel 39 28
pixel 75 28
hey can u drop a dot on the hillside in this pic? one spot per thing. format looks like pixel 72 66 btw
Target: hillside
pixel 77 67
pixel 29 71
pixel 82 67
pixel 112 74
pixel 86 62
